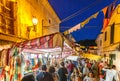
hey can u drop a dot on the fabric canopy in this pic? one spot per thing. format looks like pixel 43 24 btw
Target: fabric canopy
pixel 54 44
pixel 72 12
pixel 49 41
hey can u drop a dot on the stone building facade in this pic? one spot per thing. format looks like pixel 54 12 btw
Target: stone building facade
pixel 16 20
pixel 109 40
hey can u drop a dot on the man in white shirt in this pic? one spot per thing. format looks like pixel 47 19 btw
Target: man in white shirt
pixel 111 74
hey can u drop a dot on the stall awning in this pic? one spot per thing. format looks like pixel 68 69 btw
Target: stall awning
pixel 49 41
pixel 54 44
pixel 72 12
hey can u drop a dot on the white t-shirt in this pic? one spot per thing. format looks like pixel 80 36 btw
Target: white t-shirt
pixel 110 73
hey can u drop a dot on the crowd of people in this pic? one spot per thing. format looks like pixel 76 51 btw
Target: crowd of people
pixel 81 70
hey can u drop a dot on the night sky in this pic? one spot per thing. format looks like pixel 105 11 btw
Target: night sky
pixel 72 12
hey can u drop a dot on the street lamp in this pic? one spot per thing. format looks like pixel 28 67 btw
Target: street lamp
pixel 34 22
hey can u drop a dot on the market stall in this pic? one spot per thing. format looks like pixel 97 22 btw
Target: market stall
pixel 27 56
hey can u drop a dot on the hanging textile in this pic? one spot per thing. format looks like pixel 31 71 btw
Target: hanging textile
pixel 88 19
pixel 107 14
pixel 4 57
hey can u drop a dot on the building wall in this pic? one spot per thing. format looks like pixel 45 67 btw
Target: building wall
pixel 108 47
pixel 99 42
pixel 114 19
pixel 111 50
pixel 42 11
pixel 21 15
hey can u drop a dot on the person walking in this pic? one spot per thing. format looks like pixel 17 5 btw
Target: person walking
pixel 62 72
pixel 111 74
pixel 52 72
pixel 85 70
pixel 70 68
pixel 76 75
pixel 28 77
pixel 44 75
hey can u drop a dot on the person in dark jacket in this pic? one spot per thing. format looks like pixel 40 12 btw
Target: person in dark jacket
pixel 44 75
pixel 28 77
pixel 62 72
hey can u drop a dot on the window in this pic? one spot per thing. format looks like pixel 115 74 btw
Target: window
pixel 112 33
pixel 6 17
pixel 105 36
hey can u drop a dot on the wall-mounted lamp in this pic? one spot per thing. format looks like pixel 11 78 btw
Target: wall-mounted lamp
pixel 35 22
pixel 33 27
